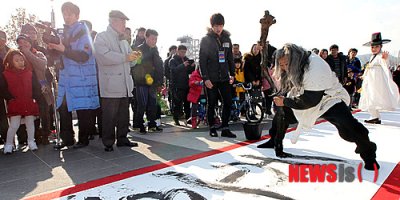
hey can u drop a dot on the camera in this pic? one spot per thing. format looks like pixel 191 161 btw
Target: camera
pixel 191 61
pixel 50 34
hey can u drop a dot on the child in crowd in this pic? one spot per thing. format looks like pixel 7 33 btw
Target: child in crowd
pixel 350 86
pixel 239 77
pixel 357 93
pixel 23 105
pixel 195 88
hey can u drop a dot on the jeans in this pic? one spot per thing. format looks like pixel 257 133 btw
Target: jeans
pixel 146 98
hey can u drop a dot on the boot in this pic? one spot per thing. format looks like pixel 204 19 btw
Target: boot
pixel 279 151
pixel 370 164
pixel 194 122
pixel 268 145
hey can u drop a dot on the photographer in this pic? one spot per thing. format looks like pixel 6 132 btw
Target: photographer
pixel 181 67
pixel 44 99
pixel 77 88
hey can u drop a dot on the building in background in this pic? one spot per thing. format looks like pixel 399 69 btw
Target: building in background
pixel 193 46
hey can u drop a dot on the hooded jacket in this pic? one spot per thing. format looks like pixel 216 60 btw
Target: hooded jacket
pixel 195 89
pixel 210 66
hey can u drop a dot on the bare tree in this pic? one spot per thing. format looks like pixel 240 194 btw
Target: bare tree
pixel 13 28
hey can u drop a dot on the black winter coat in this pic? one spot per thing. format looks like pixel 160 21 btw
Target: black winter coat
pixel 179 72
pixel 210 66
pixel 341 71
pixel 151 64
pixel 252 68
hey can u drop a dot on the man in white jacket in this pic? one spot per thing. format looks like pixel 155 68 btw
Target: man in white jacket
pixel 115 59
pixel 314 91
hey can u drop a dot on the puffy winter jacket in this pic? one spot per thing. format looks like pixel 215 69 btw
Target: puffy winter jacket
pixel 78 79
pixel 179 72
pixel 195 89
pixel 210 66
pixel 20 86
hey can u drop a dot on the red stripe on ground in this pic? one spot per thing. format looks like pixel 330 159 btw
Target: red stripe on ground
pixel 118 177
pixel 390 189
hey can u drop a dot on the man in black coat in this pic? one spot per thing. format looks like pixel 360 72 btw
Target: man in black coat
pixel 218 70
pixel 148 75
pixel 167 73
pixel 180 69
pixel 337 62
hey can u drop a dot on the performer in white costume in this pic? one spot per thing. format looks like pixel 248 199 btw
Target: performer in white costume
pixel 314 91
pixel 378 92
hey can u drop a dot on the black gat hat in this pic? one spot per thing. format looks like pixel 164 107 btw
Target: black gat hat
pixel 376 39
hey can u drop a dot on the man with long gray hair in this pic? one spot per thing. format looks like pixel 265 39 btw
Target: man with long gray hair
pixel 314 91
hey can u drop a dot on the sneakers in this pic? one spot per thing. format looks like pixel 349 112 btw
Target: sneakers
pixel 176 122
pixel 155 129
pixel 373 121
pixel 8 149
pixel 32 146
pixel 142 130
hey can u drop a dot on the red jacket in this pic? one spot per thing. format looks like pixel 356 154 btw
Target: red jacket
pixel 195 89
pixel 20 86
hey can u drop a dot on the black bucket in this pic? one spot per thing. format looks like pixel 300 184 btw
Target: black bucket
pixel 252 131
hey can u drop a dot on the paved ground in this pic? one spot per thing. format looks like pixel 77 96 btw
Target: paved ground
pixel 181 163
pixel 26 173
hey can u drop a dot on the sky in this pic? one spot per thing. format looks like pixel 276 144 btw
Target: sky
pixel 308 23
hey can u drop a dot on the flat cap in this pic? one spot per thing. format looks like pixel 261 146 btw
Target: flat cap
pixel 117 14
